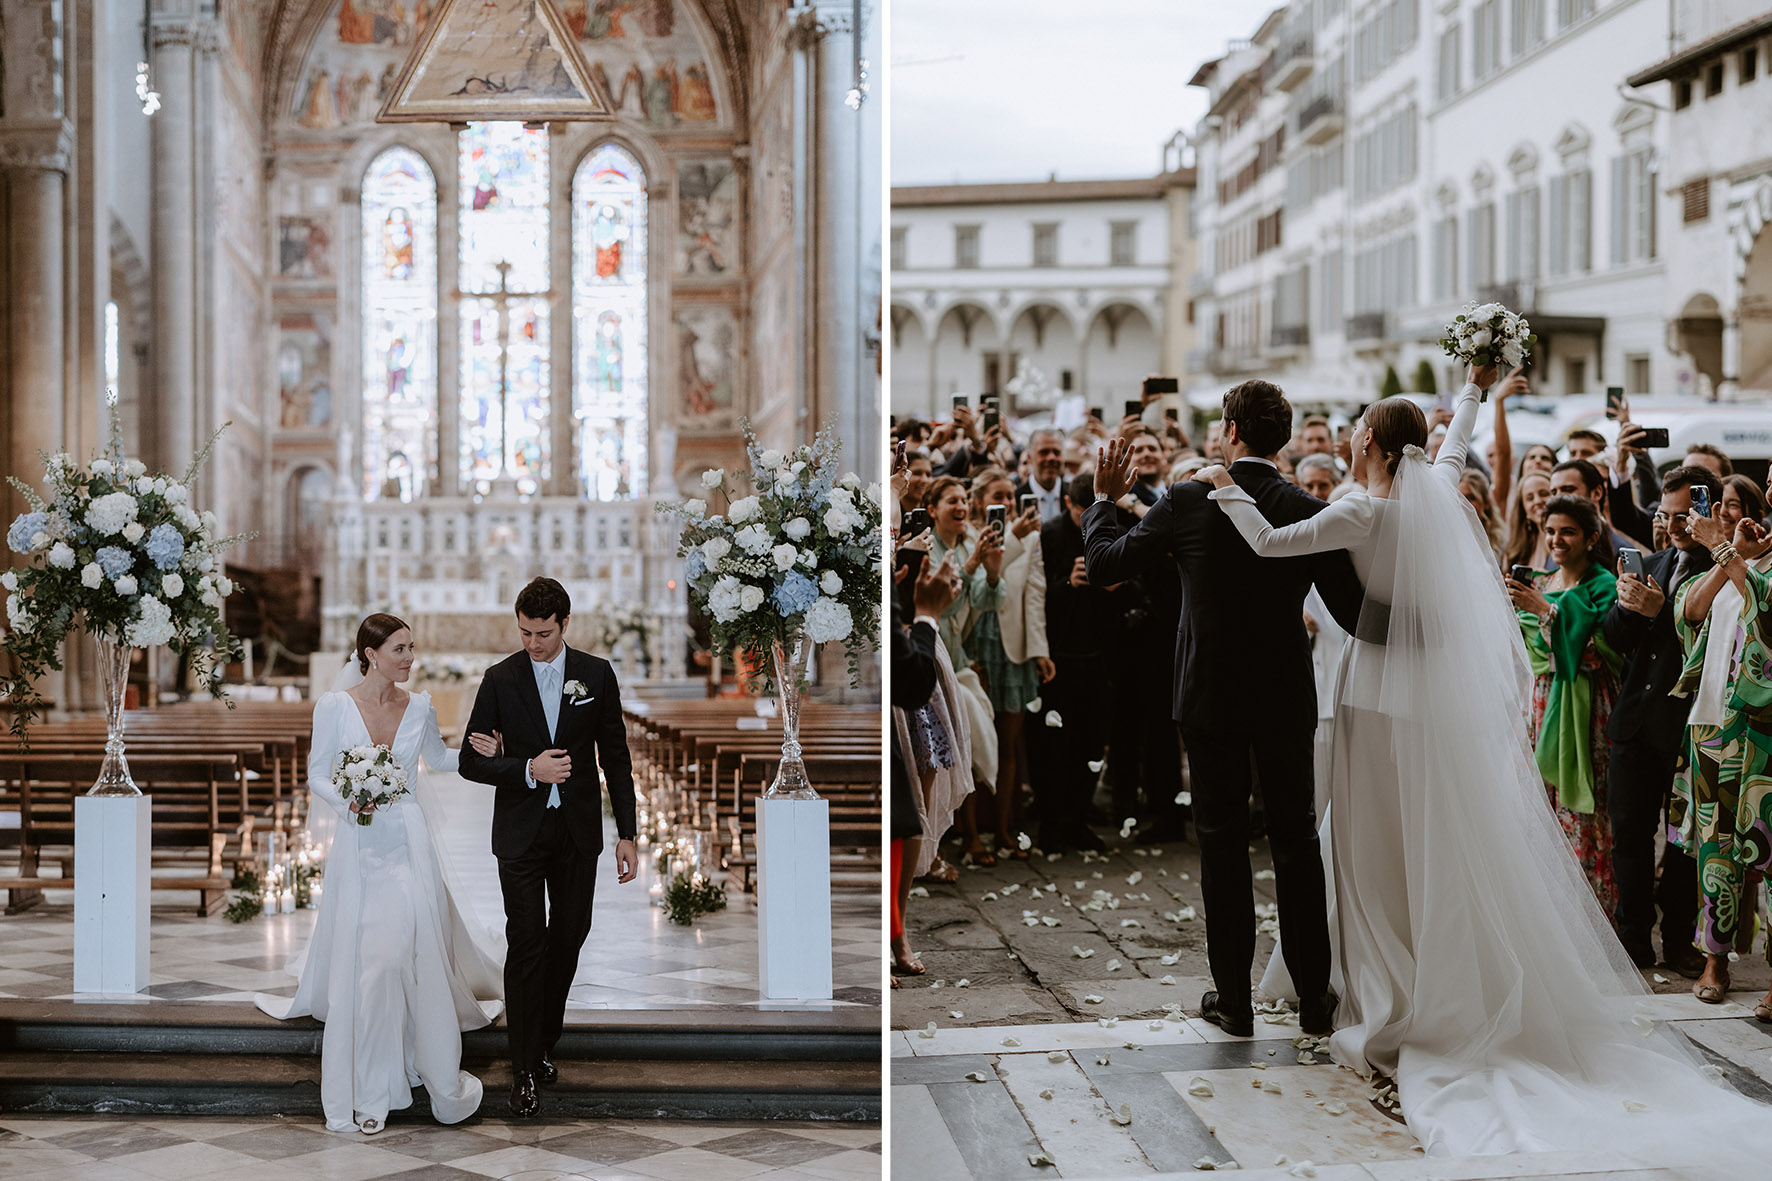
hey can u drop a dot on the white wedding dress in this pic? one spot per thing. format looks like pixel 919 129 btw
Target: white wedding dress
pixel 393 969
pixel 1474 964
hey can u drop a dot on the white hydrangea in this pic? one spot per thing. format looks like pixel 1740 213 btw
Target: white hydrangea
pixel 713 477
pixel 723 600
pixel 61 556
pixel 9 580
pixel 754 539
pixel 144 485
pixel 92 576
pixel 209 520
pixel 102 467
pixel 750 598
pixel 744 509
pixel 850 482
pixel 770 459
pixel 152 624
pixel 799 528
pixel 185 516
pixel 107 515
pixel 225 586
pixel 134 467
pixel 176 493
pixel 125 585
pixel 784 555
pixel 172 586
pixel 133 532
pixel 830 583
pixel 696 509
pixel 828 620
pixel 713 550
pixel 160 485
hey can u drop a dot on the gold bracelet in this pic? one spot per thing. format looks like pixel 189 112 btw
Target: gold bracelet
pixel 1724 553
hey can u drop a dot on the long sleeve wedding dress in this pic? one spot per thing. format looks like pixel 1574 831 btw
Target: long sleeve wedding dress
pixel 1477 968
pixel 393 969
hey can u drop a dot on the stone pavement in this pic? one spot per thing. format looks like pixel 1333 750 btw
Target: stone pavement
pixel 1074 1039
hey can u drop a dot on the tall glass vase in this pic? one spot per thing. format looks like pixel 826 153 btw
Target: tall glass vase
pixel 790 777
pixel 113 672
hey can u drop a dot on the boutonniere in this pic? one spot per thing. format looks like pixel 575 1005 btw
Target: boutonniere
pixel 577 693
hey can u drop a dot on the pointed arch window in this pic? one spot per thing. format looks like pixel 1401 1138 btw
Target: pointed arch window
pixel 609 374
pixel 399 207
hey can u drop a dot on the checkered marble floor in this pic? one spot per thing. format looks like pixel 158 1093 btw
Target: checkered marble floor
pixel 84 1148
pixel 987 1102
pixel 635 958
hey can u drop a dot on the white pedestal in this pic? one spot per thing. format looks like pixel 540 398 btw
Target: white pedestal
pixel 794 899
pixel 111 894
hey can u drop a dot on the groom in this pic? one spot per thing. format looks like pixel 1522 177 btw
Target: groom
pixel 560 714
pixel 1245 694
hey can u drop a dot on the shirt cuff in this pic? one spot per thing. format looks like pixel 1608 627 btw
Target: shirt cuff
pixel 529 773
pixel 1231 493
pixel 929 619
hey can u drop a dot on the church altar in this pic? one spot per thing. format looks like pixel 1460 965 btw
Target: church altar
pixel 452 567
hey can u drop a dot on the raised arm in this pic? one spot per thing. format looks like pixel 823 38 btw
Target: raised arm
pixel 1342 525
pixel 1457 443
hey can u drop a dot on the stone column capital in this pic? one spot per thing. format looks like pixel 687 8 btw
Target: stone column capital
pixel 813 24
pixel 201 33
pixel 44 146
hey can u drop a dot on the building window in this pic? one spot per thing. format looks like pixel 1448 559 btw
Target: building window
pixel 1695 200
pixel 898 235
pixel 1713 80
pixel 1633 208
pixel 1682 94
pixel 1528 26
pixel 1575 375
pixel 1571 203
pixel 1522 235
pixel 1750 64
pixel 1447 85
pixel 1571 11
pixel 1046 244
pixel 609 375
pixel 1446 258
pixel 1482 251
pixel 1122 243
pixel 1067 380
pixel 1636 372
pixel 966 247
pixel 1486 39
pixel 399 324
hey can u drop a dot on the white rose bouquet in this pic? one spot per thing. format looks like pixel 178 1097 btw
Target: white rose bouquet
pixel 121 554
pixel 1489 334
pixel 800 555
pixel 369 777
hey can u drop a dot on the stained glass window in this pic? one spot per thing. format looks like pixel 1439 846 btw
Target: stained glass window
pixel 399 324
pixel 609 323
pixel 504 309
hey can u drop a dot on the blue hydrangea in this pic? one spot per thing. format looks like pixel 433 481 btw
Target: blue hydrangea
pixel 166 545
pixel 27 526
pixel 796 593
pixel 114 560
pixel 694 566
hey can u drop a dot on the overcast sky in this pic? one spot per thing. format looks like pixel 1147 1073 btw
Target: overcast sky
pixel 990 90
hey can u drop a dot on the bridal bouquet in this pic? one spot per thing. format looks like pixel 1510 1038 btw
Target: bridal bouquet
pixel 1488 334
pixel 368 776
pixel 123 554
pixel 800 556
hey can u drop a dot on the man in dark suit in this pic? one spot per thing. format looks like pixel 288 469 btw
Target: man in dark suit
pixel 1045 479
pixel 1646 729
pixel 1245 693
pixel 559 711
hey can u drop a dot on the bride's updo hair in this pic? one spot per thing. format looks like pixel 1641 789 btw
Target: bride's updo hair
pixel 372 633
pixel 1395 423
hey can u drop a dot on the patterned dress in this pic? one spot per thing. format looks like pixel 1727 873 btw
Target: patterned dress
pixel 1589 831
pixel 1722 801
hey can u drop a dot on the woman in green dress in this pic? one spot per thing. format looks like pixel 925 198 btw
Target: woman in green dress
pixel 1575 682
pixel 1722 805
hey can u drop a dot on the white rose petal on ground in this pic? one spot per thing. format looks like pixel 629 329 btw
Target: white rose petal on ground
pixel 1046 1094
pixel 1271 1086
pixel 956 1015
pixel 1095 765
pixel 1057 1056
pixel 1113 965
pixel 1264 875
pixel 1122 1117
pixel 919 892
pixel 1200 1086
pixel 978 1076
pixel 929 1031
pixel 1167 980
pixel 962 982
pixel 1023 841
pixel 1038 1159
pixel 1170 960
pixel 1092 999
pixel 1034 705
pixel 1184 798
pixel 1053 720
pixel 1635 1107
pixel 1052 922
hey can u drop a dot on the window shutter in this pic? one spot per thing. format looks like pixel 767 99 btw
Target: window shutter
pixel 1529 234
pixel 1511 264
pixel 1581 186
pixel 1620 204
pixel 1559 226
pixel 1695 200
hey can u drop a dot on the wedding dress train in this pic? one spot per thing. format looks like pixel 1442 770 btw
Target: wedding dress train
pixel 1478 970
pixel 393 969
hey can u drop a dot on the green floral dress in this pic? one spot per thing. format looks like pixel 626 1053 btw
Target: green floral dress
pixel 1721 809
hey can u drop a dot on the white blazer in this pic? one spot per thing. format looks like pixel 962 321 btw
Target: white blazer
pixel 1022 617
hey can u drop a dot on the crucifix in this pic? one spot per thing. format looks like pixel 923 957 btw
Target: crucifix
pixel 503 298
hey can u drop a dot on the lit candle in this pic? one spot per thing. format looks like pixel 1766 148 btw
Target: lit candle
pixel 289 902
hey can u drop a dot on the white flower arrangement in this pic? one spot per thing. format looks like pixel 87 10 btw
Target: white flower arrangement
pixel 1488 334
pixel 800 555
pixel 370 777
pixel 105 553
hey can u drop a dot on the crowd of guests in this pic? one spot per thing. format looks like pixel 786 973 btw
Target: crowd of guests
pixel 1048 715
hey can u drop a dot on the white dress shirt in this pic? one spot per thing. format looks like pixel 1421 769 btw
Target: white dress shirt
pixel 550 682
pixel 1051 500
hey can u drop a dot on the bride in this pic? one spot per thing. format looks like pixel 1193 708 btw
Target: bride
pixel 1479 971
pixel 392 969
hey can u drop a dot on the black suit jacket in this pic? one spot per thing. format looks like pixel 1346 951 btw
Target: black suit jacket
pixel 1074 614
pixel 1653 658
pixel 1241 652
pixel 591 734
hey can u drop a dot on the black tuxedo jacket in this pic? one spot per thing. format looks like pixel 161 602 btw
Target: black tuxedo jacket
pixel 1653 659
pixel 592 734
pixel 1242 655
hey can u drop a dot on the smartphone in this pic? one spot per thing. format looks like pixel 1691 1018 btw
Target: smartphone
pixel 997 516
pixel 1134 407
pixel 1615 402
pixel 1630 561
pixel 912 559
pixel 1172 413
pixel 990 418
pixel 1701 500
pixel 1654 437
pixel 1028 501
pixel 1521 574
pixel 915 522
pixel 960 401
pixel 1095 413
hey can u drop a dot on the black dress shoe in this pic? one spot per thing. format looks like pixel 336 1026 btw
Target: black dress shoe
pixel 1236 1024
pixel 524 1101
pixel 1688 961
pixel 1161 833
pixel 1317 1017
pixel 549 1073
pixel 1641 953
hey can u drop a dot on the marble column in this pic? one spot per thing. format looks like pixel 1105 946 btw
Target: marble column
pixel 36 295
pixel 1731 383
pixel 174 252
